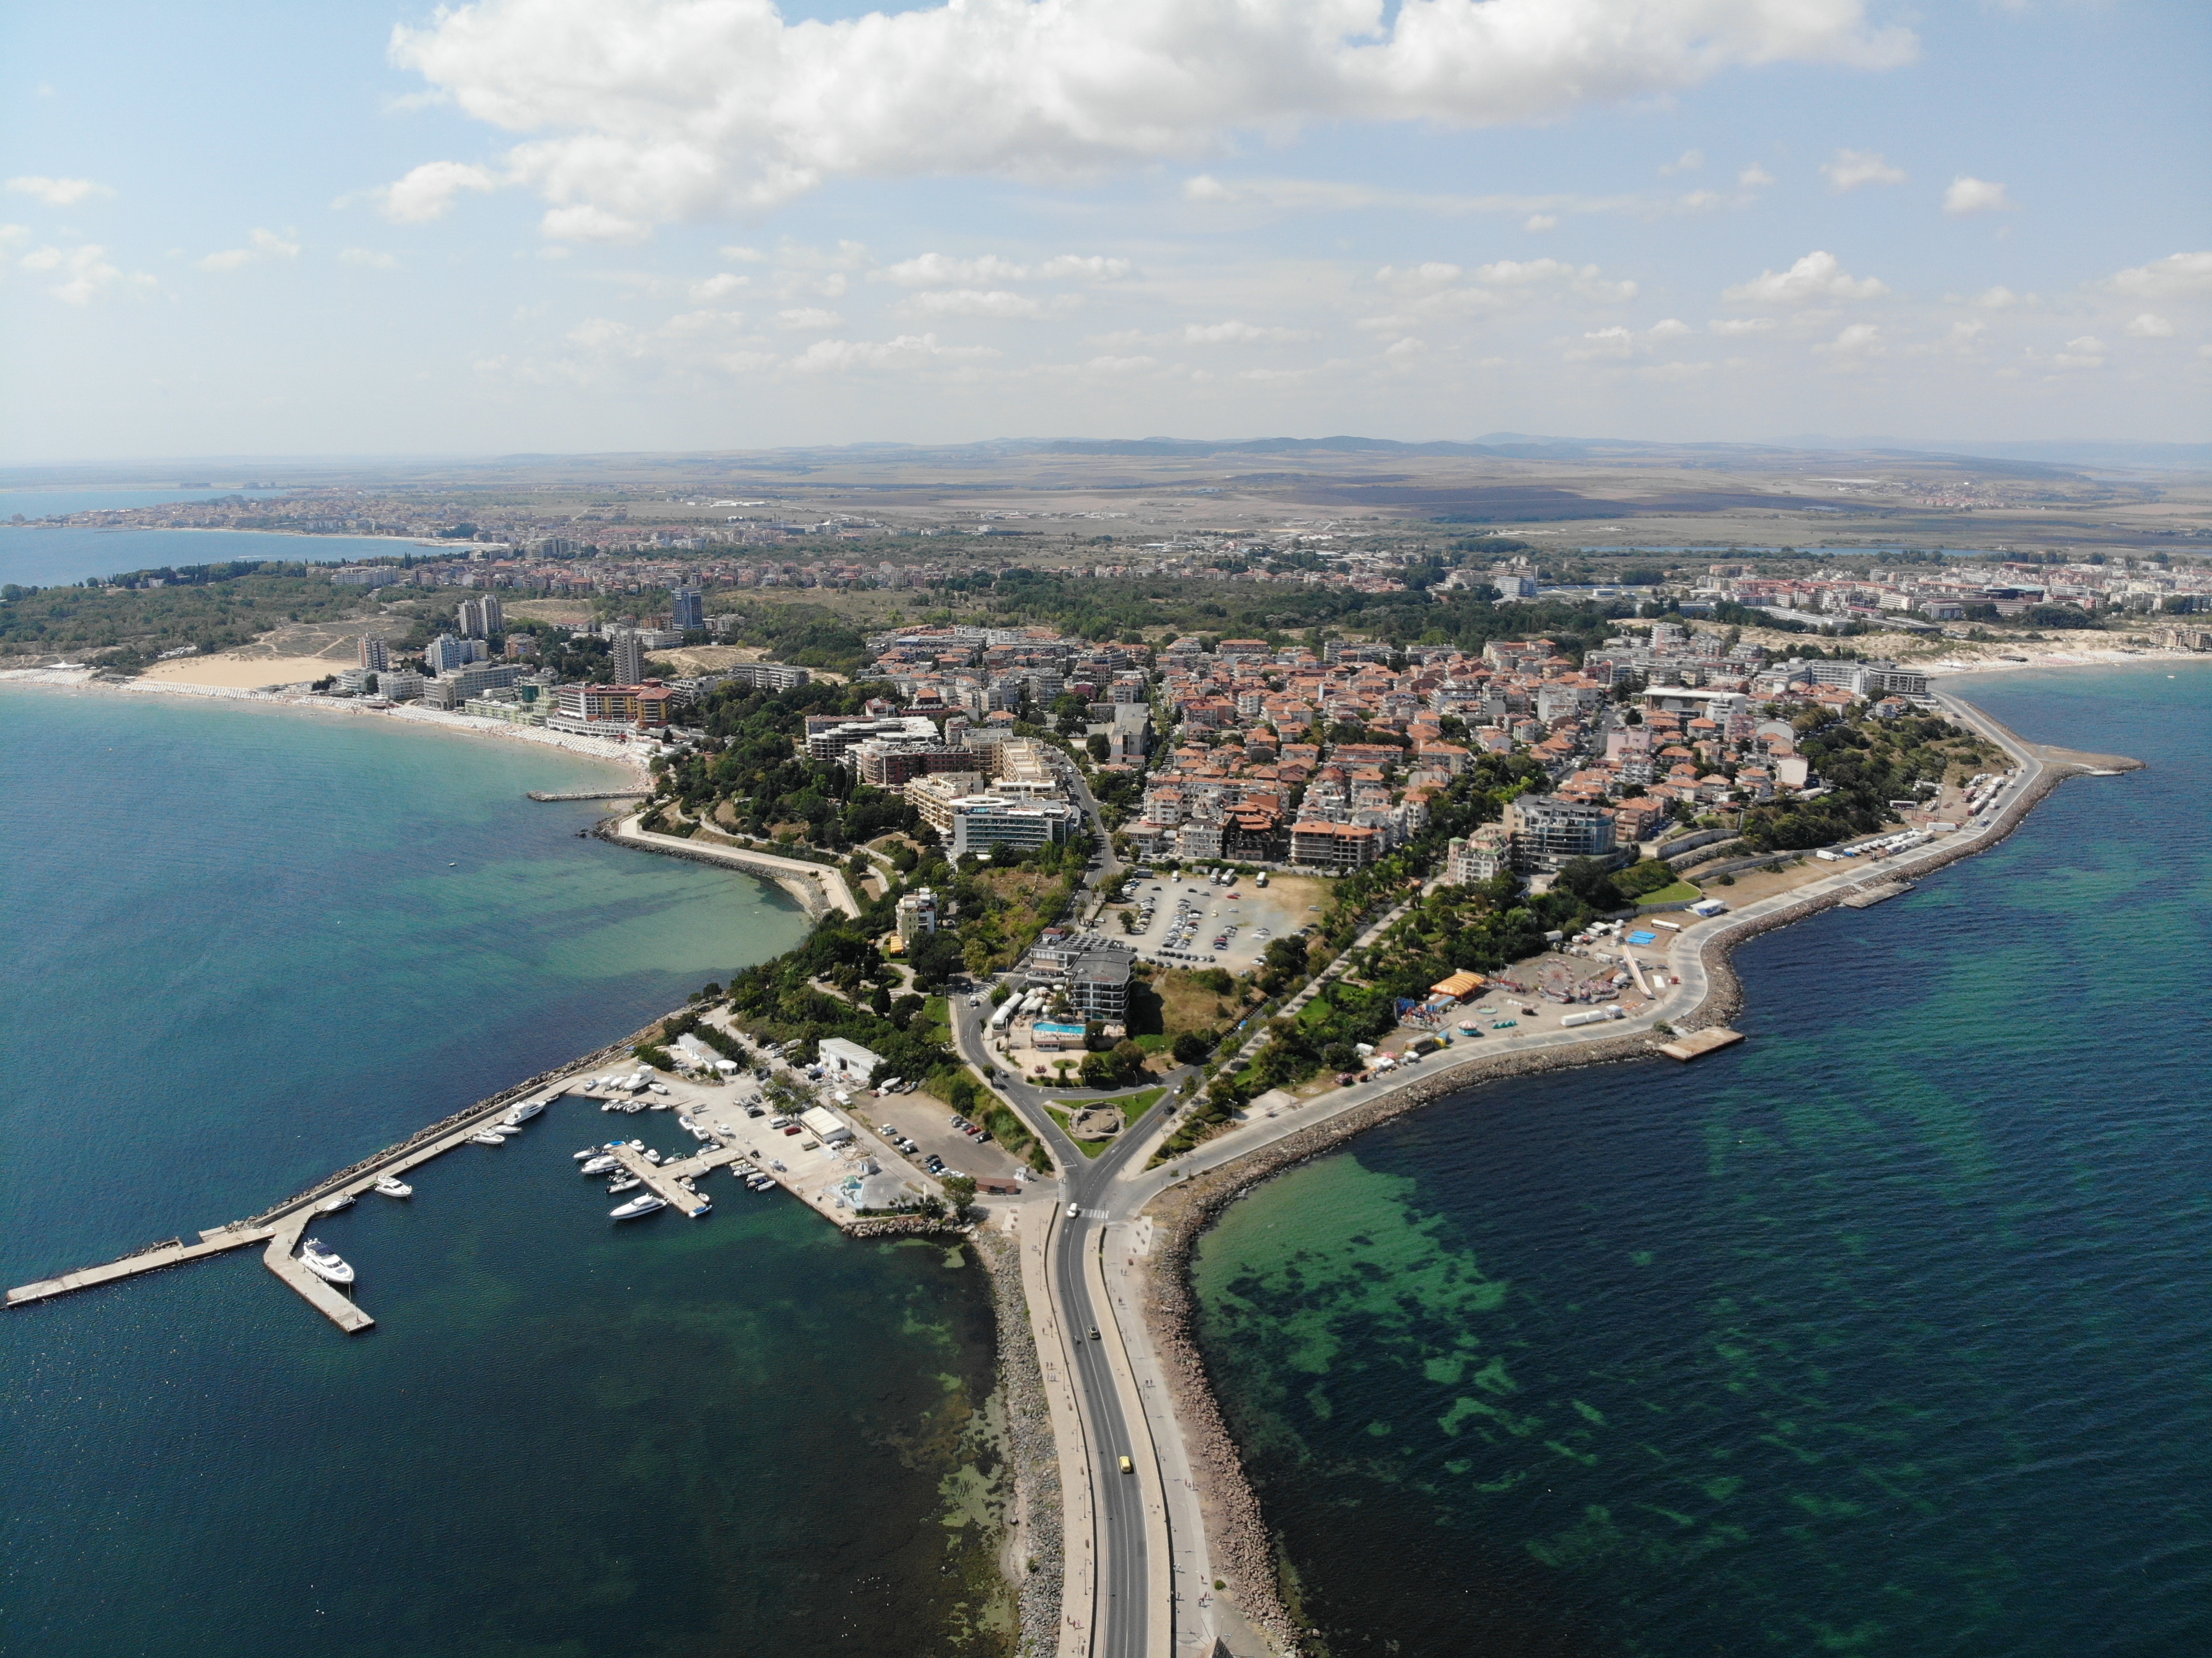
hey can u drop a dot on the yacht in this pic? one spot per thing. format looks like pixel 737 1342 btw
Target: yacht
pixel 392 1186
pixel 522 1114
pixel 644 1204
pixel 334 1206
pixel 588 1152
pixel 325 1264
pixel 599 1165
pixel 488 1138
pixel 624 1183
pixel 507 1130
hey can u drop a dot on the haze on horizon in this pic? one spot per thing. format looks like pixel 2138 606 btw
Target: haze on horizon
pixel 563 226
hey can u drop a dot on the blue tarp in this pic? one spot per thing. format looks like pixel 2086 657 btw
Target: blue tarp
pixel 1642 937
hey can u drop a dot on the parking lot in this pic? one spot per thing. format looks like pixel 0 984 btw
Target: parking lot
pixel 1258 915
pixel 927 1122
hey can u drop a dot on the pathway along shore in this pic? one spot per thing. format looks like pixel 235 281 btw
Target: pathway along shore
pixel 1238 1540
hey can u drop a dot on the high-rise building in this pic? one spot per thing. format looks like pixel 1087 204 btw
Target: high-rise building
pixel 480 618
pixel 445 653
pixel 630 659
pixel 688 611
pixel 371 654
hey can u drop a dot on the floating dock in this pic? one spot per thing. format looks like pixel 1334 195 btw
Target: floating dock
pixel 1698 1042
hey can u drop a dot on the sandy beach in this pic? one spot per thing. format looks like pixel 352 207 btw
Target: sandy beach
pixel 634 755
pixel 246 673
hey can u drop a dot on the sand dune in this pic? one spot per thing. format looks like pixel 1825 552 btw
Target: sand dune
pixel 246 671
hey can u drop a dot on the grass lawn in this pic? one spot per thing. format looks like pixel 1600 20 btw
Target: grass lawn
pixel 1680 892
pixel 1133 1106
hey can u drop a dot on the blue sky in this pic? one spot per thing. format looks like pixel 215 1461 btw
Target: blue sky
pixel 567 225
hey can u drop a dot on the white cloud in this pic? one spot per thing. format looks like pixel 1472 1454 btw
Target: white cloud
pixel 1853 168
pixel 1816 277
pixel 56 193
pixel 369 257
pixel 744 255
pixel 1614 341
pixel 1233 332
pixel 1730 326
pixel 1405 349
pixel 2085 351
pixel 807 319
pixel 1671 329
pixel 1754 176
pixel 428 192
pixel 2176 277
pixel 941 269
pixel 1860 339
pixel 1540 221
pixel 998 302
pixel 261 245
pixel 654 110
pixel 1999 298
pixel 906 351
pixel 1688 161
pixel 85 273
pixel 587 222
pixel 1698 201
pixel 1968 196
pixel 1533 273
pixel 2149 327
pixel 720 285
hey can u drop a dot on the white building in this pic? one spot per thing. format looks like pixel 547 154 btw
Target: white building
pixel 848 1061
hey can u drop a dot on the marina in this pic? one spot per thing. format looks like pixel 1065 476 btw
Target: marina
pixel 605 1078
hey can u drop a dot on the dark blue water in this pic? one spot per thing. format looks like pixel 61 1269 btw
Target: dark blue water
pixel 56 555
pixel 247 946
pixel 1884 1334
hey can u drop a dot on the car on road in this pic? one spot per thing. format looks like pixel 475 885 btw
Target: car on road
pixel 1094 1332
pixel 1073 1210
pixel 1127 1466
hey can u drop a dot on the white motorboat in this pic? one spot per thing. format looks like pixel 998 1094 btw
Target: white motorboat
pixel 599 1165
pixel 588 1152
pixel 488 1138
pixel 325 1264
pixel 624 1183
pixel 392 1186
pixel 652 1156
pixel 644 1204
pixel 334 1206
pixel 507 1130
pixel 522 1112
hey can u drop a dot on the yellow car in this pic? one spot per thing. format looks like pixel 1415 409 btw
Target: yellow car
pixel 1127 1466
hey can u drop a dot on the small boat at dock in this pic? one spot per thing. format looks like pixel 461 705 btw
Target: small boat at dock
pixel 334 1205
pixel 325 1264
pixel 522 1112
pixel 599 1165
pixel 624 1183
pixel 488 1138
pixel 645 1204
pixel 392 1186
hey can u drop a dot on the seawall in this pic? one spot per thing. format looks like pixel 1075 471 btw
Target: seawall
pixel 1242 1548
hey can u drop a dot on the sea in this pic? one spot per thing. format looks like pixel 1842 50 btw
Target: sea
pixel 59 555
pixel 248 945
pixel 1884 1334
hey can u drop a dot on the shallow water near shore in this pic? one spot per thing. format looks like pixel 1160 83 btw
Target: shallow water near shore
pixel 1881 1334
pixel 248 945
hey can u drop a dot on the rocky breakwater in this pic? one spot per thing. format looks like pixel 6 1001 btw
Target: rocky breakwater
pixel 1033 1557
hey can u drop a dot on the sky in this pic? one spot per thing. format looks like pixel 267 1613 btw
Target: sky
pixel 579 226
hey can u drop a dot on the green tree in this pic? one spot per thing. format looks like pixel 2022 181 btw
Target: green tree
pixel 959 1192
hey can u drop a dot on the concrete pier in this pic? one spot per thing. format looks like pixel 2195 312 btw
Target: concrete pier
pixel 174 1253
pixel 325 1298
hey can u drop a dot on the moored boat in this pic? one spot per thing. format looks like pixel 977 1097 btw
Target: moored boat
pixel 599 1165
pixel 644 1204
pixel 333 1205
pixel 488 1138
pixel 392 1186
pixel 522 1112
pixel 325 1264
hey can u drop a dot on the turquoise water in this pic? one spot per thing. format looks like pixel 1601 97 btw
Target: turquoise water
pixel 56 555
pixel 1884 1334
pixel 249 945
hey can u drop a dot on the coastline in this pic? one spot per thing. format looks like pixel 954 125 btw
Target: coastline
pixel 460 725
pixel 1244 1549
